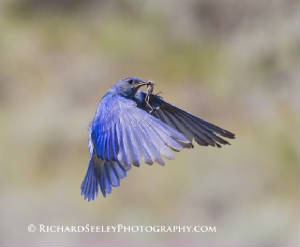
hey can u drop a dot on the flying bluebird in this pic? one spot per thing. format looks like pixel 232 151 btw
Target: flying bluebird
pixel 131 124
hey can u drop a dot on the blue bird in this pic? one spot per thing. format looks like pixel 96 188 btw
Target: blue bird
pixel 129 127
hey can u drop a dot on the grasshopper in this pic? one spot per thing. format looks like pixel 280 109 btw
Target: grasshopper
pixel 150 86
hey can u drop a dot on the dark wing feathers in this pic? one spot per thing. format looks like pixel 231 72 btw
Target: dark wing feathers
pixel 193 127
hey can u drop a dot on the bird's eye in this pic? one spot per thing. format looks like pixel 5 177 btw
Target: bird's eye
pixel 130 81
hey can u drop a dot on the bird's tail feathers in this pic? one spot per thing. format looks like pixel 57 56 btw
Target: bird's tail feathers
pixel 103 174
pixel 89 185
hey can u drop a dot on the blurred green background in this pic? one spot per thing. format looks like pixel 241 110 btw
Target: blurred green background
pixel 234 63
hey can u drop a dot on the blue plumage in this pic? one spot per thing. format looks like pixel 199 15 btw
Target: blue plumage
pixel 124 132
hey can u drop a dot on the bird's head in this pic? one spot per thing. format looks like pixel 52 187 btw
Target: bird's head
pixel 128 86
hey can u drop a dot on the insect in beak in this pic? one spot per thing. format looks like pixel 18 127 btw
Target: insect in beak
pixel 150 86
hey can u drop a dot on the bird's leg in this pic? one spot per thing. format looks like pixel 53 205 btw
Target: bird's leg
pixel 150 86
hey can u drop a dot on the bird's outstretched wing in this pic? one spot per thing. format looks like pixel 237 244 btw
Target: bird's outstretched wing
pixel 125 133
pixel 193 127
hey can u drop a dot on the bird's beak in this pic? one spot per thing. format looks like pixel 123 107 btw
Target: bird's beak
pixel 139 84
